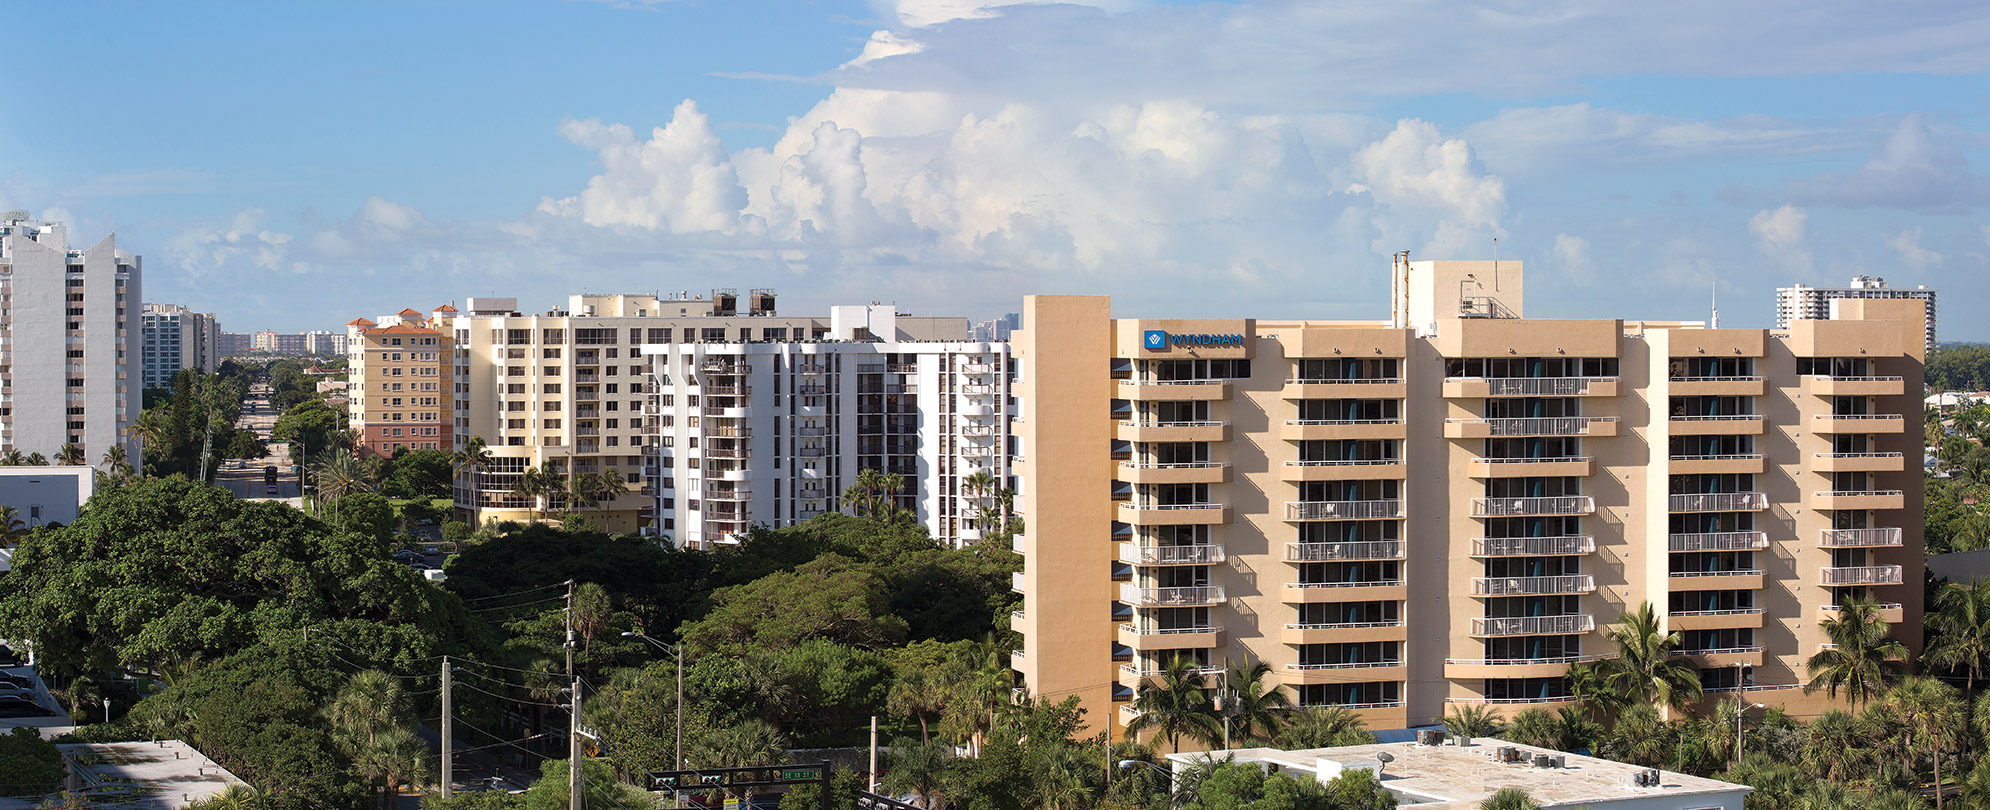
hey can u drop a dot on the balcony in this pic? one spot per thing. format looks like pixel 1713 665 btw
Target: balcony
pixel 1322 429
pixel 1734 619
pixel 724 412
pixel 1860 538
pixel 1016 582
pixel 1482 387
pixel 1734 463
pixel 1345 632
pixel 1718 541
pixel 1179 514
pixel 1143 639
pixel 1138 431
pixel 1171 597
pixel 1723 657
pixel 1533 625
pixel 1715 386
pixel 1533 586
pixel 1565 545
pixel 1859 462
pixel 1132 675
pixel 1729 580
pixel 725 367
pixel 1174 390
pixel 1858 499
pixel 1530 467
pixel 1375 388
pixel 1171 555
pixel 1489 428
pixel 1193 472
pixel 1343 510
pixel 1351 550
pixel 1861 575
pixel 1545 667
pixel 1380 469
pixel 727 389
pixel 1381 590
pixel 1717 502
pixel 730 494
pixel 1833 386
pixel 1734 424
pixel 728 452
pixel 1890 612
pixel 1345 672
pixel 1522 507
pixel 1858 423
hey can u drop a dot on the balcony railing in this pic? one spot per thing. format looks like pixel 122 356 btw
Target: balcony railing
pixel 1533 546
pixel 1720 457
pixel 1726 572
pixel 1534 625
pixel 1716 417
pixel 1344 665
pixel 1174 507
pixel 1859 455
pixel 1552 505
pixel 1715 379
pixel 1339 381
pixel 1136 671
pixel 1718 541
pixel 1857 493
pixel 1839 378
pixel 1719 651
pixel 1862 575
pixel 1728 612
pixel 1856 418
pixel 1856 538
pixel 1177 465
pixel 1341 422
pixel 1531 460
pixel 1134 423
pixel 1536 425
pixel 1533 586
pixel 1343 510
pixel 1358 583
pixel 1345 625
pixel 1529 662
pixel 1168 597
pixel 1176 555
pixel 1348 550
pixel 1718 502
pixel 1165 631
pixel 1344 462
pixel 1535 386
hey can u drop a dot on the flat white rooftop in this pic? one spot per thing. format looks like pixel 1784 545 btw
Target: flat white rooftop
pixel 1451 777
pixel 162 774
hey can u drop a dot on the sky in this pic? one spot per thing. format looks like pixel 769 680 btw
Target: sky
pixel 292 166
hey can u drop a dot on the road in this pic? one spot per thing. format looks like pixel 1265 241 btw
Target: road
pixel 245 478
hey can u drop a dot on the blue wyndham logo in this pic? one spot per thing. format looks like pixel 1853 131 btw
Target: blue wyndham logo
pixel 1156 339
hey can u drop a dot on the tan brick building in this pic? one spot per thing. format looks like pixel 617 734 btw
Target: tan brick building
pixel 400 383
pixel 1452 506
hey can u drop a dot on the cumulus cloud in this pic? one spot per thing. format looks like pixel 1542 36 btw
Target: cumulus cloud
pixel 1911 170
pixel 680 179
pixel 1414 167
pixel 1908 244
pixel 1572 253
pixel 1780 234
pixel 210 246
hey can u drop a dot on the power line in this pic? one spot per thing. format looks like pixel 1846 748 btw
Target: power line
pixel 515 593
pixel 512 699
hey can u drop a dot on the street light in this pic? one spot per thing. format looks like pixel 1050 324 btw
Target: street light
pixel 678 649
pixel 1128 763
pixel 1737 725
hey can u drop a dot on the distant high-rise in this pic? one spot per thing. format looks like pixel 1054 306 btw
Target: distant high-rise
pixel 69 372
pixel 997 329
pixel 1802 303
pixel 178 338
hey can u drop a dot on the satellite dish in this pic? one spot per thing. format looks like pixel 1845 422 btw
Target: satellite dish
pixel 1385 757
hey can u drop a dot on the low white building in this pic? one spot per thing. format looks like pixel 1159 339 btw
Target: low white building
pixel 1455 777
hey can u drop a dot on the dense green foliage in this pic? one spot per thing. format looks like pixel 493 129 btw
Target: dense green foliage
pixel 29 765
pixel 1963 367
pixel 198 414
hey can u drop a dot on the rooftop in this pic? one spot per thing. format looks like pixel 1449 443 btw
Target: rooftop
pixel 166 773
pixel 1452 777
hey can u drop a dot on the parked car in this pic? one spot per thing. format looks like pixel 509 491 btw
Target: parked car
pixel 22 707
pixel 408 556
pixel 8 658
pixel 17 680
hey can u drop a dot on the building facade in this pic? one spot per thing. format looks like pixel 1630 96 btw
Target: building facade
pixel 1452 506
pixel 1814 303
pixel 178 338
pixel 402 383
pixel 321 343
pixel 69 331
pixel 277 343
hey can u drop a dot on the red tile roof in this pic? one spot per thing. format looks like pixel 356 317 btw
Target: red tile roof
pixel 360 322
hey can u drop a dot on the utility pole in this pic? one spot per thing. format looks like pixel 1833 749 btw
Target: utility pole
pixel 448 734
pixel 874 755
pixel 575 785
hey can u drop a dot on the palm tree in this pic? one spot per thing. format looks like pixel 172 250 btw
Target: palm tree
pixel 71 454
pixel 1962 624
pixel 340 473
pixel 1175 704
pixel 1641 736
pixel 12 527
pixel 116 462
pixel 473 457
pixel 1645 670
pixel 1933 712
pixel 889 485
pixel 610 485
pixel 36 460
pixel 369 716
pixel 1976 786
pixel 1534 726
pixel 1509 798
pixel 1060 777
pixel 918 767
pixel 13 458
pixel 861 498
pixel 541 485
pixel 977 696
pixel 922 692
pixel 752 742
pixel 1324 727
pixel 1472 720
pixel 1834 745
pixel 401 761
pixel 1255 712
pixel 1575 730
pixel 1862 657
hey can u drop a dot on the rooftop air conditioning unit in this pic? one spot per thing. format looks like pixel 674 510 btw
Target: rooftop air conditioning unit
pixel 1543 761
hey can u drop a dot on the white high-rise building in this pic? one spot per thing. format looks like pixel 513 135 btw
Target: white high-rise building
pixel 772 433
pixel 1803 303
pixel 178 338
pixel 320 343
pixel 69 369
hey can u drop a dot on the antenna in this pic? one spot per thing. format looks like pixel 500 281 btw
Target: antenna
pixel 1717 305
pixel 1495 264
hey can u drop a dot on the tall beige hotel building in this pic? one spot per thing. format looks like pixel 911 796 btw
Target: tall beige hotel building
pixel 1452 506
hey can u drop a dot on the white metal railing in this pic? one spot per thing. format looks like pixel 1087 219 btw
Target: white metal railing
pixel 1344 665
pixel 1717 417
pixel 1715 379
pixel 1173 507
pixel 1859 455
pixel 1175 555
pixel 1535 425
pixel 1150 597
pixel 1135 423
pixel 1718 502
pixel 1533 546
pixel 1359 583
pixel 1166 631
pixel 1341 422
pixel 1718 541
pixel 1532 586
pixel 1862 575
pixel 1533 625
pixel 1535 386
pixel 1733 572
pixel 1522 662
pixel 1720 651
pixel 1016 581
pixel 1178 465
pixel 1855 493
pixel 1344 625
pixel 1173 382
pixel 1720 457
pixel 1837 378
pixel 1134 669
pixel 1861 417
pixel 1545 460
pixel 1343 510
pixel 1852 538
pixel 1728 612
pixel 1339 381
pixel 1879 605
pixel 1550 505
pixel 1510 701
pixel 1345 550
pixel 1344 462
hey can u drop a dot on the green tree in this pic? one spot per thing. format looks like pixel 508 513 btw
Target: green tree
pixel 918 767
pixel 1472 720
pixel 1961 621
pixel 1863 658
pixel 1176 704
pixel 32 765
pixel 12 527
pixel 1324 727
pixel 1835 746
pixel 1534 726
pixel 1645 670
pixel 71 454
pixel 601 790
pixel 1255 712
pixel 315 427
pixel 1934 715
pixel 1510 798
pixel 423 473
pixel 830 597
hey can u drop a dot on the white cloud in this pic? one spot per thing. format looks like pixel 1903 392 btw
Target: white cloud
pixel 1908 243
pixel 1911 170
pixel 1572 253
pixel 211 246
pixel 1570 136
pixel 1415 169
pixel 1781 234
pixel 922 13
pixel 680 180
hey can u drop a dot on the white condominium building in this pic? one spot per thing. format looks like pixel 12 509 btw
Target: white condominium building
pixel 1802 303
pixel 67 369
pixel 178 338
pixel 773 432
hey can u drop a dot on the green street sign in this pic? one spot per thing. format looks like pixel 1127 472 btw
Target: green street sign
pixel 800 776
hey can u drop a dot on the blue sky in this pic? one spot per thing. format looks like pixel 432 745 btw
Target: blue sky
pixel 293 166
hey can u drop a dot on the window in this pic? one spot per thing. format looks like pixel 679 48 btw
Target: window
pixel 552 424
pixel 612 404
pixel 551 407
pixel 515 388
pixel 550 371
pixel 514 424
pixel 549 354
pixel 659 336
pixel 552 336
pixel 552 388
